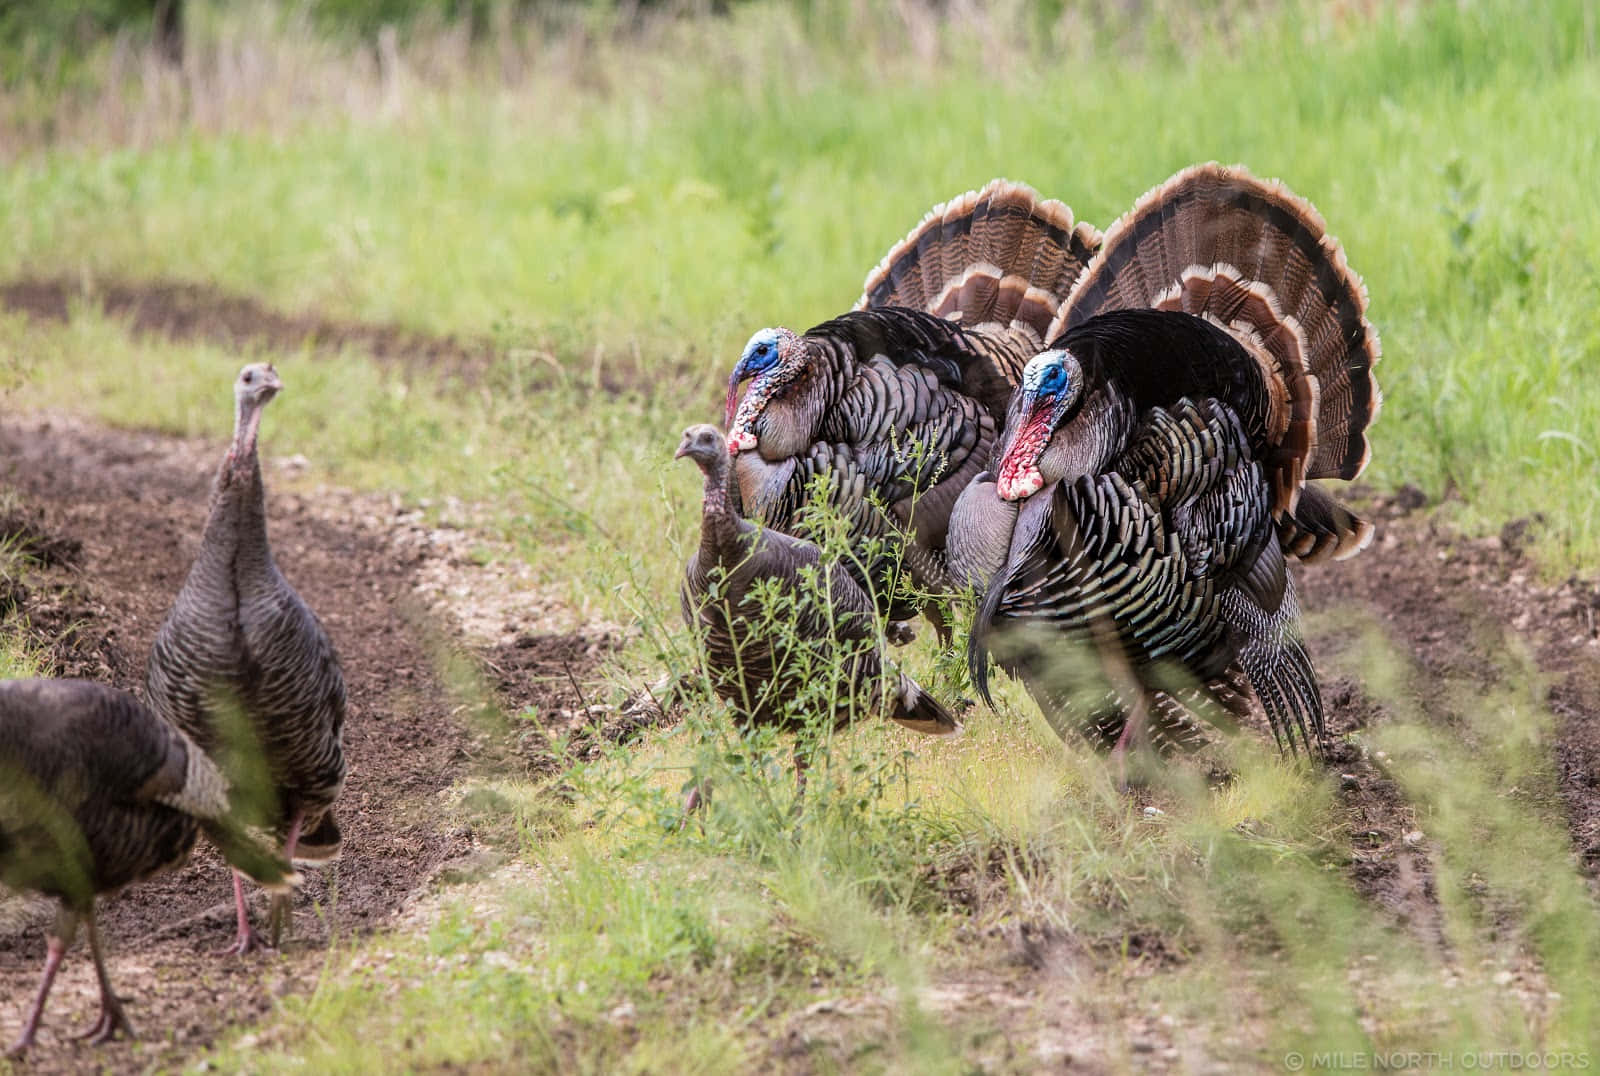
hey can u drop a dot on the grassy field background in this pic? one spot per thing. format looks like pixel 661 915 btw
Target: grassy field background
pixel 613 209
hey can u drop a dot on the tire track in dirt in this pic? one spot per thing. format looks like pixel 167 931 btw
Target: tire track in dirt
pixel 203 313
pixel 176 310
pixel 1449 607
pixel 136 504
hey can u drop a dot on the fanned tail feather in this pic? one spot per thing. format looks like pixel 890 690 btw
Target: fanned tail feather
pixel 1001 256
pixel 1250 256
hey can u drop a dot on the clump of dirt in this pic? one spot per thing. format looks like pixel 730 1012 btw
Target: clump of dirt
pixel 538 670
pixel 124 511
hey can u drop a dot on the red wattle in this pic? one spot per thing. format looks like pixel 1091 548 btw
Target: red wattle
pixel 1019 475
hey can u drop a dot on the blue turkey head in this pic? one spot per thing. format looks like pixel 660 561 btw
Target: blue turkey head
pixel 1052 388
pixel 771 359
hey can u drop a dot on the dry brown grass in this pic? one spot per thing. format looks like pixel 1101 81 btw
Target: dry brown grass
pixel 267 67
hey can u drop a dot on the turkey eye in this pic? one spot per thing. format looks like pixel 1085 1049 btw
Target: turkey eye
pixel 249 378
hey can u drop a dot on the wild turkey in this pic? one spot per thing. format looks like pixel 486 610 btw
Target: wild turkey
pixel 762 674
pixel 96 793
pixel 897 403
pixel 243 665
pixel 1213 357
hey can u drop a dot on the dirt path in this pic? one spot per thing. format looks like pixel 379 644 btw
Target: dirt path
pixel 124 512
pixel 203 313
pixel 1453 609
pixel 174 310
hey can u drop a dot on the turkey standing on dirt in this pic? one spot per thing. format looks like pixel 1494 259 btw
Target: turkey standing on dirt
pixel 898 402
pixel 760 676
pixel 244 666
pixel 96 793
pixel 1213 357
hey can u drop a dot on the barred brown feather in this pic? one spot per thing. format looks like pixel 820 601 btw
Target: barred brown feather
pixel 1256 259
pixel 1000 256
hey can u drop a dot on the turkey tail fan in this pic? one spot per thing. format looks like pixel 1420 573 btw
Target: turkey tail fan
pixel 1000 256
pixel 1256 259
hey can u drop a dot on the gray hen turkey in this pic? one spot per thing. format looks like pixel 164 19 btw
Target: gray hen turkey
pixel 243 665
pixel 743 577
pixel 97 793
pixel 897 403
pixel 1213 357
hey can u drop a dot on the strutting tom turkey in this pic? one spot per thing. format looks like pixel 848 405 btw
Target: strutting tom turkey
pixel 759 668
pixel 97 793
pixel 1152 476
pixel 896 404
pixel 243 665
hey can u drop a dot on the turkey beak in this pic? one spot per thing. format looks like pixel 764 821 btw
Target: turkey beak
pixel 683 449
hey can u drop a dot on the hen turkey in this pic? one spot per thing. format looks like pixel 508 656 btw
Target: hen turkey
pixel 892 409
pixel 97 793
pixel 1152 477
pixel 740 587
pixel 243 665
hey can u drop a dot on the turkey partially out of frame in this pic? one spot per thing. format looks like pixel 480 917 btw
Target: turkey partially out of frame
pixel 119 514
pixel 116 516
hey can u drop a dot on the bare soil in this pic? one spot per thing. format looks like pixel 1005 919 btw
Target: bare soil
pixel 1452 609
pixel 116 519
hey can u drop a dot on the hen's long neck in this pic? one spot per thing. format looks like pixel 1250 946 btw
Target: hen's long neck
pixel 237 527
pixel 719 523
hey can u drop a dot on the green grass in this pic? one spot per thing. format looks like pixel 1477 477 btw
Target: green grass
pixel 20 656
pixel 607 220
